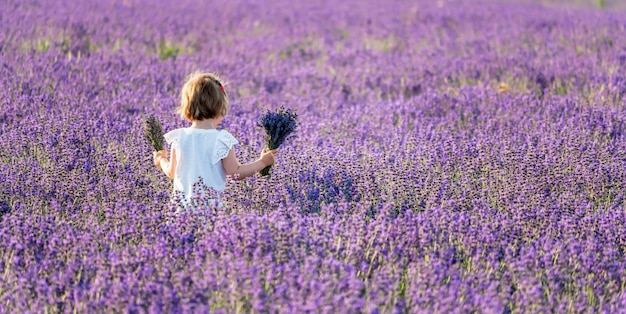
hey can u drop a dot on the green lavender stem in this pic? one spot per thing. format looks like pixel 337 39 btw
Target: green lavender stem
pixel 266 171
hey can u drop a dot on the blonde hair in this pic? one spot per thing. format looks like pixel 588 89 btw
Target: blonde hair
pixel 203 97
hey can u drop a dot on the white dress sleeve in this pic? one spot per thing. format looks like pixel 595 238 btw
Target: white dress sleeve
pixel 172 138
pixel 223 144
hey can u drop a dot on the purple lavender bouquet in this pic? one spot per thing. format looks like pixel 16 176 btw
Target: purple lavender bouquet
pixel 279 125
pixel 153 131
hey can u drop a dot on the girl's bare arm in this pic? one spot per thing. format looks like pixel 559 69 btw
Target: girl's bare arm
pixel 168 166
pixel 238 171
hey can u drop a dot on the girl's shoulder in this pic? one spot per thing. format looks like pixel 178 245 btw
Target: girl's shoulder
pixel 224 143
pixel 173 135
pixel 224 132
pixel 226 137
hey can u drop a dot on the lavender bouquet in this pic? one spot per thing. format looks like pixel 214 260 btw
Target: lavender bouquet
pixel 279 125
pixel 153 131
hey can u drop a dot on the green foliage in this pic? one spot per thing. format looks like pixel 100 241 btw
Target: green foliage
pixel 167 49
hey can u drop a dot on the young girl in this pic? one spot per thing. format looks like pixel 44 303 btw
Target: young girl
pixel 201 156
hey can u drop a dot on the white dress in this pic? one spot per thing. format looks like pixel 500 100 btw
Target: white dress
pixel 199 153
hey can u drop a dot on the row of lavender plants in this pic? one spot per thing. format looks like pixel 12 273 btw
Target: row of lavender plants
pixel 451 157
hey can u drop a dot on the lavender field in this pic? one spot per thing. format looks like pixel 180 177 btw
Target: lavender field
pixel 451 157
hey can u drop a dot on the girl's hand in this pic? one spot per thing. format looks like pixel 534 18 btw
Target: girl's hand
pixel 157 156
pixel 268 157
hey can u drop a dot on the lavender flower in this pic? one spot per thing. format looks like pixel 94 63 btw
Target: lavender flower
pixel 153 131
pixel 279 126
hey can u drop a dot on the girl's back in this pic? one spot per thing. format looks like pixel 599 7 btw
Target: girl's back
pixel 199 153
